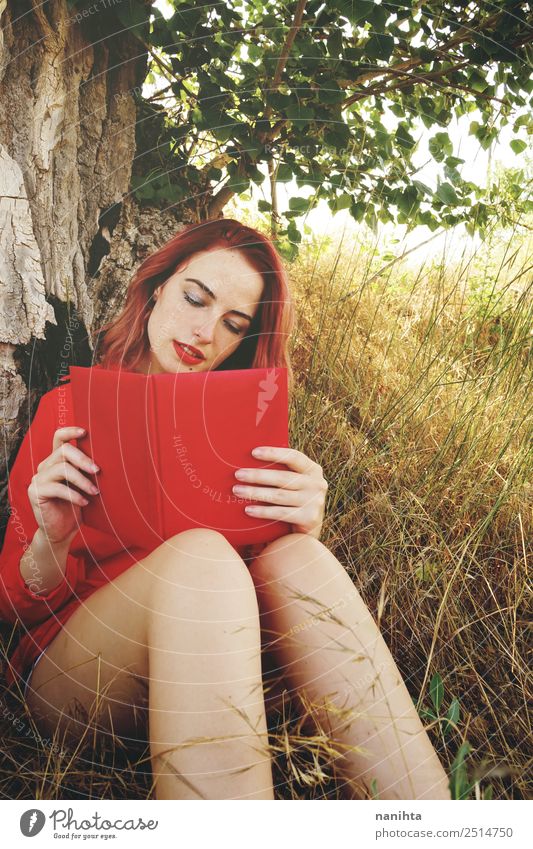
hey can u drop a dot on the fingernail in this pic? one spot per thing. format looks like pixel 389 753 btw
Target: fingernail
pixel 95 468
pixel 258 452
pixel 81 430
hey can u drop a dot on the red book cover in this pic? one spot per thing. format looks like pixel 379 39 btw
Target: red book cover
pixel 168 446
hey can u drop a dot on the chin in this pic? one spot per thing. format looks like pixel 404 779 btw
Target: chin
pixel 184 367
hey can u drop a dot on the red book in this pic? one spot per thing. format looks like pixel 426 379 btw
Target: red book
pixel 168 446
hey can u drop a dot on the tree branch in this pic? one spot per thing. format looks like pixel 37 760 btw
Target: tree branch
pixel 284 55
pixel 225 194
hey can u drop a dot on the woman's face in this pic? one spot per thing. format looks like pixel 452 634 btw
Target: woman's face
pixel 207 305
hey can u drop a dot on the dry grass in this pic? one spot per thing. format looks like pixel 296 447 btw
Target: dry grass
pixel 414 393
pixel 418 402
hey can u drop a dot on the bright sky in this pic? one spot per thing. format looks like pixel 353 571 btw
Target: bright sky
pixel 475 168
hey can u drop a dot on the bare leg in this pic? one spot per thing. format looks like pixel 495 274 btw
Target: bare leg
pixel 326 640
pixel 206 694
pixel 178 634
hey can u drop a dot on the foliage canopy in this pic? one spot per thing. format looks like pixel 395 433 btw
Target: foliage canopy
pixel 333 94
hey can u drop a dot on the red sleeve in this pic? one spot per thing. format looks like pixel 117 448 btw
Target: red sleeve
pixel 16 598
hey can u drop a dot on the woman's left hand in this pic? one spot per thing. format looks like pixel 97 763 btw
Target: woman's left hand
pixel 300 493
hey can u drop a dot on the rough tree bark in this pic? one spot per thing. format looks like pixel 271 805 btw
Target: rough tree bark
pixel 70 234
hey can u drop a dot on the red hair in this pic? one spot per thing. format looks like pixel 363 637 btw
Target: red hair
pixel 265 344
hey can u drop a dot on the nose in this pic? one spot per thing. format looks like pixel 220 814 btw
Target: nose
pixel 204 330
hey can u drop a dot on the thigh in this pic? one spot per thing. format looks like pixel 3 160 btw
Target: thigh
pixel 94 674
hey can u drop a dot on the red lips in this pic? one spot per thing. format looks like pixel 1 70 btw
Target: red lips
pixel 184 355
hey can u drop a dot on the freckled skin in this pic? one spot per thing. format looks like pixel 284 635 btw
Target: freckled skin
pixel 237 286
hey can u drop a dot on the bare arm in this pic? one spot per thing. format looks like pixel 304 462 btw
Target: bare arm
pixel 43 564
pixel 57 509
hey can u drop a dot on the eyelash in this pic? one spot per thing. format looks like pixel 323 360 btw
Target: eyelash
pixel 195 303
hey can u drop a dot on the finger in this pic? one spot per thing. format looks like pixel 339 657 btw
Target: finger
pixel 64 434
pixel 273 477
pixel 283 514
pixel 284 497
pixel 296 460
pixel 58 490
pixel 73 455
pixel 64 471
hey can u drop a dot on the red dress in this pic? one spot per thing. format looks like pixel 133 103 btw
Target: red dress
pixel 94 557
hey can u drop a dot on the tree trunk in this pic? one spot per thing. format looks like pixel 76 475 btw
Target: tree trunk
pixel 70 236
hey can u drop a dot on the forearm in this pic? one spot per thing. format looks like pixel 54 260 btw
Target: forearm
pixel 43 564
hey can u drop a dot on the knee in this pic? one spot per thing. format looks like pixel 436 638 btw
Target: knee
pixel 201 558
pixel 293 547
pixel 285 556
pixel 201 542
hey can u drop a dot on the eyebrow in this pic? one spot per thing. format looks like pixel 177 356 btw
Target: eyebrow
pixel 212 295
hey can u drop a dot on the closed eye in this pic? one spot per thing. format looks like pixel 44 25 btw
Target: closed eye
pixel 195 303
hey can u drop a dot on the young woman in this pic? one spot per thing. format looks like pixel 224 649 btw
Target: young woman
pixel 167 643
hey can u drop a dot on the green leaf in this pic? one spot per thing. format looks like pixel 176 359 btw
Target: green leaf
pixel 253 172
pixel 436 691
pixel 427 219
pixel 238 183
pixel 422 188
pixel 278 100
pixel 284 173
pixel 440 146
pixel 378 17
pixel 222 132
pixel 161 34
pixel 334 43
pixel 452 716
pixel 379 46
pixel 403 137
pixel 299 115
pixel 522 121
pixel 459 785
pixel 371 219
pixel 299 205
pixel 425 572
pixel 408 201
pixel 453 161
pixel 446 193
pixel 518 146
pixel 214 174
pixel 397 110
pixel 293 233
pixel 330 93
pixel 355 10
pixel 343 202
pixel 426 714
pixel 453 175
pixel 133 16
pixel 357 210
pixel 287 249
pixel 477 82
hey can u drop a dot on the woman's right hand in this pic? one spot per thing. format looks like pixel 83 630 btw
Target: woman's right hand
pixel 56 506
